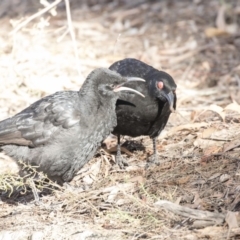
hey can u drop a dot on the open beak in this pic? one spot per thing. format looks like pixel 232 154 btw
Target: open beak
pixel 170 98
pixel 121 88
pixel 132 79
pixel 129 79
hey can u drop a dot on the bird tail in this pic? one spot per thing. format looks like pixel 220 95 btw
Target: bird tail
pixel 7 130
pixel 7 126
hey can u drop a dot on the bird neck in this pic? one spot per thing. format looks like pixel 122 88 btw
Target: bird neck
pixel 95 100
pixel 88 91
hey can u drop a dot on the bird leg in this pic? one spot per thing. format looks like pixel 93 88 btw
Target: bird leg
pixel 154 158
pixel 155 154
pixel 119 158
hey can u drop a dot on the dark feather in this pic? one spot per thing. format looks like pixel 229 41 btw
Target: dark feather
pixel 146 116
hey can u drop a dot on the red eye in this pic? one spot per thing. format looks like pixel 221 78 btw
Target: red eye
pixel 160 85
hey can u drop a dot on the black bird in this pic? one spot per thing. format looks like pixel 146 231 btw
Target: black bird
pixel 61 132
pixel 136 117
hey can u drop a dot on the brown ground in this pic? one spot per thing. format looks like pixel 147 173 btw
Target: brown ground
pixel 198 43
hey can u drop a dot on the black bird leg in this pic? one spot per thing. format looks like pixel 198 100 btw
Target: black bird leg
pixel 154 158
pixel 121 162
pixel 118 146
pixel 155 154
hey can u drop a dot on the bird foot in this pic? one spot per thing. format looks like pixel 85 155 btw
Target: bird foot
pixel 121 161
pixel 153 160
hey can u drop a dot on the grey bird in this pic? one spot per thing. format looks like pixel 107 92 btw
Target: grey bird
pixel 136 117
pixel 61 132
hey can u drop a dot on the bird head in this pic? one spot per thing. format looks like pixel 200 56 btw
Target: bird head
pixel 109 83
pixel 163 87
pixel 160 84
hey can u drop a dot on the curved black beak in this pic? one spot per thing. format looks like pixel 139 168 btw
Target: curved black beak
pixel 170 98
pixel 129 79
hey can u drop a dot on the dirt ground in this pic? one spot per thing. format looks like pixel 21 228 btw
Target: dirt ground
pixel 195 192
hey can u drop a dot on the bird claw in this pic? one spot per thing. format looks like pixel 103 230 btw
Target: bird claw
pixel 153 160
pixel 121 161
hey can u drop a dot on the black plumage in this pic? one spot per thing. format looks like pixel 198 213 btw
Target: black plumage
pixel 61 132
pixel 136 117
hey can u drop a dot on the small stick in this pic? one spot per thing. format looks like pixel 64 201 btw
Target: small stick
pixel 28 20
pixel 212 218
pixel 72 34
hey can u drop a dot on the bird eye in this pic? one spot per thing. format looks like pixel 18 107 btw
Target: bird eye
pixel 160 85
pixel 112 85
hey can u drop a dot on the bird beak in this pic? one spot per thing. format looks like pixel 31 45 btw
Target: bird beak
pixel 132 79
pixel 129 79
pixel 121 88
pixel 170 98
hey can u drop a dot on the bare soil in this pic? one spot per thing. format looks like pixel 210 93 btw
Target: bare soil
pixel 198 43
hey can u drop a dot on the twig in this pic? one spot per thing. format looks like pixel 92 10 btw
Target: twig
pixel 116 43
pixel 72 34
pixel 34 190
pixel 28 20
pixel 203 218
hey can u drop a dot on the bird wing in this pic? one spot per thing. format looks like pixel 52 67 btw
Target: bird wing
pixel 161 120
pixel 42 120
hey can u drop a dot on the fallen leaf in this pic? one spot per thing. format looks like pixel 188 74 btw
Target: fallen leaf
pixel 92 173
pixel 224 178
pixel 214 32
pixel 212 150
pixel 231 145
pixel 197 202
pixel 233 106
pixel 138 179
pixel 211 231
pixel 215 175
pixel 95 169
pixel 112 195
pixel 231 220
pixel 123 187
pixel 207 132
pixel 87 180
pixel 206 143
pixel 218 110
pixel 121 201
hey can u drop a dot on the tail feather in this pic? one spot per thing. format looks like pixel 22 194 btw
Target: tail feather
pixel 9 133
pixel 7 126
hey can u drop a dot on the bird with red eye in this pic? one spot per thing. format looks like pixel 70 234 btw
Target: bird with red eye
pixel 148 116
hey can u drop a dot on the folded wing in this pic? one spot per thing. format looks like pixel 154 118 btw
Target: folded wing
pixel 41 121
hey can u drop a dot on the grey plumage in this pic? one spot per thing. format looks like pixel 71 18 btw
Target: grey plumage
pixel 61 132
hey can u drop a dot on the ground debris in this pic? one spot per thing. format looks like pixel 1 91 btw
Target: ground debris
pixel 201 218
pixel 199 149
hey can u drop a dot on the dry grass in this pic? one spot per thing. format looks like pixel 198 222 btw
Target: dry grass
pixel 199 149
